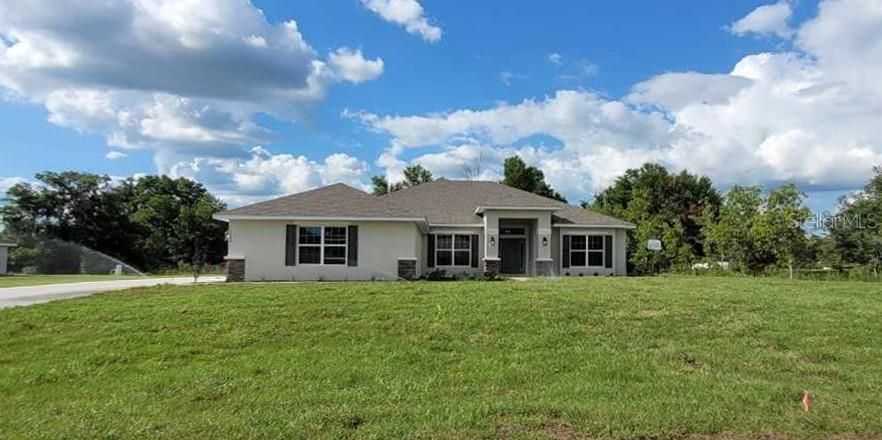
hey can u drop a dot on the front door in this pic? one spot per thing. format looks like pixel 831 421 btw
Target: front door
pixel 513 253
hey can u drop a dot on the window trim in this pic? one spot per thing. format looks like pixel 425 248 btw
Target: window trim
pixel 322 245
pixel 587 250
pixel 453 249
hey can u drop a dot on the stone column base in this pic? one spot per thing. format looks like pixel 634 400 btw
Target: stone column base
pixel 407 268
pixel 543 268
pixel 235 270
pixel 491 268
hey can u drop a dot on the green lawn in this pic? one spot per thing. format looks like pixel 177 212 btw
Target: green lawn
pixel 575 358
pixel 36 280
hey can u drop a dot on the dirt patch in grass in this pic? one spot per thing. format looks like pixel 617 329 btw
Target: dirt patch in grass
pixel 556 429
pixel 560 430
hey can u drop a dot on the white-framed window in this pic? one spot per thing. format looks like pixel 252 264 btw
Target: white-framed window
pixel 587 250
pixel 322 245
pixel 453 250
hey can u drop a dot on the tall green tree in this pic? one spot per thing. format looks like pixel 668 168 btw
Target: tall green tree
pixel 381 185
pixel 518 174
pixel 664 206
pixel 413 175
pixel 174 221
pixel 856 229
pixel 756 232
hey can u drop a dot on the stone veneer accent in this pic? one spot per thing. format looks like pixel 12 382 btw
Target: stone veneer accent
pixel 407 268
pixel 491 268
pixel 235 270
pixel 543 268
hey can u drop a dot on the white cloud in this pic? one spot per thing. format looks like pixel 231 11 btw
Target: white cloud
pixel 407 13
pixel 574 117
pixel 808 115
pixel 677 90
pixel 555 58
pixel 115 155
pixel 593 131
pixel 263 174
pixel 465 161
pixel 9 182
pixel 765 20
pixel 353 67
pixel 185 77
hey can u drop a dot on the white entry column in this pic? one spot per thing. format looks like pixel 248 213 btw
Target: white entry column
pixel 491 243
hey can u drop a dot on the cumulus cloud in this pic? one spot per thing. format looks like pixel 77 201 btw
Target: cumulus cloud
pixel 184 77
pixel 555 58
pixel 465 161
pixel 808 115
pixel 115 155
pixel 264 174
pixel 677 90
pixel 596 133
pixel 407 13
pixel 353 67
pixel 765 20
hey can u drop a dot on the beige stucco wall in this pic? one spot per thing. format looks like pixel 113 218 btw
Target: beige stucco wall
pixel 4 255
pixel 380 245
pixel 620 245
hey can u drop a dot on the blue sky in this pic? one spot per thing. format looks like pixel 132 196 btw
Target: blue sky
pixel 609 85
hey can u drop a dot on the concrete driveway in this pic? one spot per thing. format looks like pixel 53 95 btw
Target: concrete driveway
pixel 27 295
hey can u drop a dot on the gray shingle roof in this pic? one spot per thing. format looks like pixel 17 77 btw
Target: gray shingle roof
pixel 337 200
pixel 454 201
pixel 439 202
pixel 572 215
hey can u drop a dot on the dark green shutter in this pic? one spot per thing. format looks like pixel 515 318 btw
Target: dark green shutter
pixel 352 252
pixel 607 251
pixel 290 245
pixel 475 250
pixel 565 262
pixel 430 258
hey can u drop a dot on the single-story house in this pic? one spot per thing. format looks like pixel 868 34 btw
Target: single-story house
pixel 4 256
pixel 461 227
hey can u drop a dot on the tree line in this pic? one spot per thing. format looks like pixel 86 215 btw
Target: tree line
pixel 153 223
pixel 746 229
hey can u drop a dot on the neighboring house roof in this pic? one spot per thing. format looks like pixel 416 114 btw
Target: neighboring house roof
pixel 448 202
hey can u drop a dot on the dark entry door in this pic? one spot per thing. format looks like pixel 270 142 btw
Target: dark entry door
pixel 513 255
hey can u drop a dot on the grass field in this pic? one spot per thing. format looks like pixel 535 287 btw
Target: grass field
pixel 36 280
pixel 575 358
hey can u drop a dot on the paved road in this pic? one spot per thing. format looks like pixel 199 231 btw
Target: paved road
pixel 27 295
